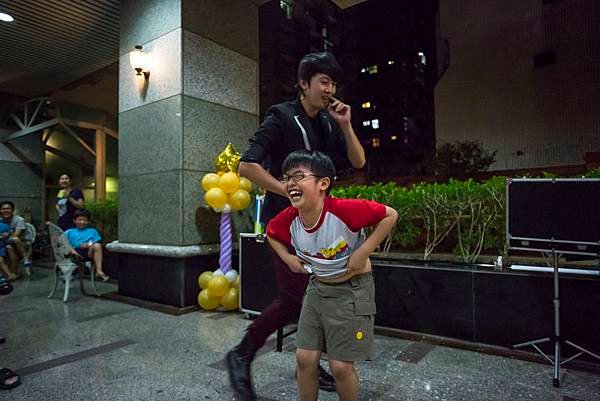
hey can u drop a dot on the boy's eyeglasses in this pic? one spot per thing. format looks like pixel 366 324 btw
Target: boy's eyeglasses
pixel 297 177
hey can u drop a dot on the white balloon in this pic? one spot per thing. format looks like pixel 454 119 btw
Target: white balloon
pixel 218 273
pixel 227 208
pixel 231 275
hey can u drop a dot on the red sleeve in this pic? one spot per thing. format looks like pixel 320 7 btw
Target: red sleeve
pixel 358 213
pixel 278 227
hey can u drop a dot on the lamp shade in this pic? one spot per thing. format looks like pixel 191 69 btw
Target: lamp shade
pixel 140 61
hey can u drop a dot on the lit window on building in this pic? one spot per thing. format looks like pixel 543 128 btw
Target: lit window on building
pixel 393 137
pixel 375 142
pixel 366 123
pixel 422 58
pixel 390 62
pixel 372 69
pixel 366 105
pixel 375 123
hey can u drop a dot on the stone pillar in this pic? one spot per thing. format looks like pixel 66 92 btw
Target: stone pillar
pixel 201 94
pixel 21 175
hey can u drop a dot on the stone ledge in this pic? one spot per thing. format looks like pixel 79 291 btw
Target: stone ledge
pixel 169 251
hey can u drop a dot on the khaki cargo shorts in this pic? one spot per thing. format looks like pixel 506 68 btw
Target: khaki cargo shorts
pixel 338 318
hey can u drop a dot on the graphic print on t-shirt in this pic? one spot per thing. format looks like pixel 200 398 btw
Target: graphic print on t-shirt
pixel 336 250
pixel 327 247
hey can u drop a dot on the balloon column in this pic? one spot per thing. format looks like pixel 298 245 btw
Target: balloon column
pixel 225 192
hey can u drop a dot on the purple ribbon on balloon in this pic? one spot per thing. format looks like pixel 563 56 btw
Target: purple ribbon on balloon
pixel 226 243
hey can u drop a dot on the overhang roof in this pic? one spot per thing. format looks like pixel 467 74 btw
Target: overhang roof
pixel 52 43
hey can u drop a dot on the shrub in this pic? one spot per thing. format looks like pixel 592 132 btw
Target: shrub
pixel 105 217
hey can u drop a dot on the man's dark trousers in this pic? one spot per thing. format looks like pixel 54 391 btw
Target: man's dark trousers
pixel 285 307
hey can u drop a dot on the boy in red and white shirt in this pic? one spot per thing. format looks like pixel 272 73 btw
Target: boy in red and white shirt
pixel 325 236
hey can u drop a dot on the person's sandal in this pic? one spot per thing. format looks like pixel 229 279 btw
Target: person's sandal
pixel 5 379
pixel 102 277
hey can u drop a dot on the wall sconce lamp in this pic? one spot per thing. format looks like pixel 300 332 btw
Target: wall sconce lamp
pixel 141 62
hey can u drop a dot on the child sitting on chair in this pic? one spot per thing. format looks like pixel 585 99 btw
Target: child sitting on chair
pixel 86 241
pixel 4 236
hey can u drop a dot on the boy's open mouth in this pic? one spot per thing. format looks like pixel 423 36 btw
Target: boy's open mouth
pixel 294 195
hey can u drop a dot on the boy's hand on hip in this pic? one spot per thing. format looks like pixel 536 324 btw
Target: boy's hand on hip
pixel 295 264
pixel 357 261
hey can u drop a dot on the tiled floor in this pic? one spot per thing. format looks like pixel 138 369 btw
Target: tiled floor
pixel 95 349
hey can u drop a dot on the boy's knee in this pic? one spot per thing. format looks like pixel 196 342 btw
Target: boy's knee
pixel 341 369
pixel 306 359
pixel 97 247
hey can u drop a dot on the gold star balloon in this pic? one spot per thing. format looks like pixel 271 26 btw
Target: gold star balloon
pixel 228 160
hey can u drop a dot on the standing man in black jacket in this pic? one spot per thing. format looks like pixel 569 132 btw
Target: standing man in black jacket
pixel 314 121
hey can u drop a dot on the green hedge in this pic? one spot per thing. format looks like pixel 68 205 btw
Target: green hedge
pixel 105 217
pixel 469 214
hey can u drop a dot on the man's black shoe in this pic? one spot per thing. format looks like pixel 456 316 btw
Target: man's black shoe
pixel 326 381
pixel 238 366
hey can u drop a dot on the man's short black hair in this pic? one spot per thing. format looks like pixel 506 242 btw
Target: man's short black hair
pixel 317 162
pixel 82 213
pixel 315 63
pixel 9 203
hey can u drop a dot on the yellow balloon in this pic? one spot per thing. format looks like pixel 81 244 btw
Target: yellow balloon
pixel 236 283
pixel 216 197
pixel 229 182
pixel 230 301
pixel 245 184
pixel 218 286
pixel 203 279
pixel 228 160
pixel 239 200
pixel 207 300
pixel 210 180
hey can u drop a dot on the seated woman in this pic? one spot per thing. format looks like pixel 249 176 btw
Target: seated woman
pixel 86 241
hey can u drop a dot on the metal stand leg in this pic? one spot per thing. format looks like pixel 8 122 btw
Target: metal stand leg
pixel 556 362
pixel 556 379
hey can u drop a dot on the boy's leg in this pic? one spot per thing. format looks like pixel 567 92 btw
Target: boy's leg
pixel 307 368
pixel 346 379
pixel 95 253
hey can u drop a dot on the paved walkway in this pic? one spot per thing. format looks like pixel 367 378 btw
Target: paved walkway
pixel 95 349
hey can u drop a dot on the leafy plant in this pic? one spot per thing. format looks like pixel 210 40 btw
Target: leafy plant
pixel 462 159
pixel 595 173
pixel 105 216
pixel 433 203
pixel 475 210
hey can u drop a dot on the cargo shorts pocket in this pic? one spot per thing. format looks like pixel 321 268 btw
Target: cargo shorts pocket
pixel 364 317
pixel 364 308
